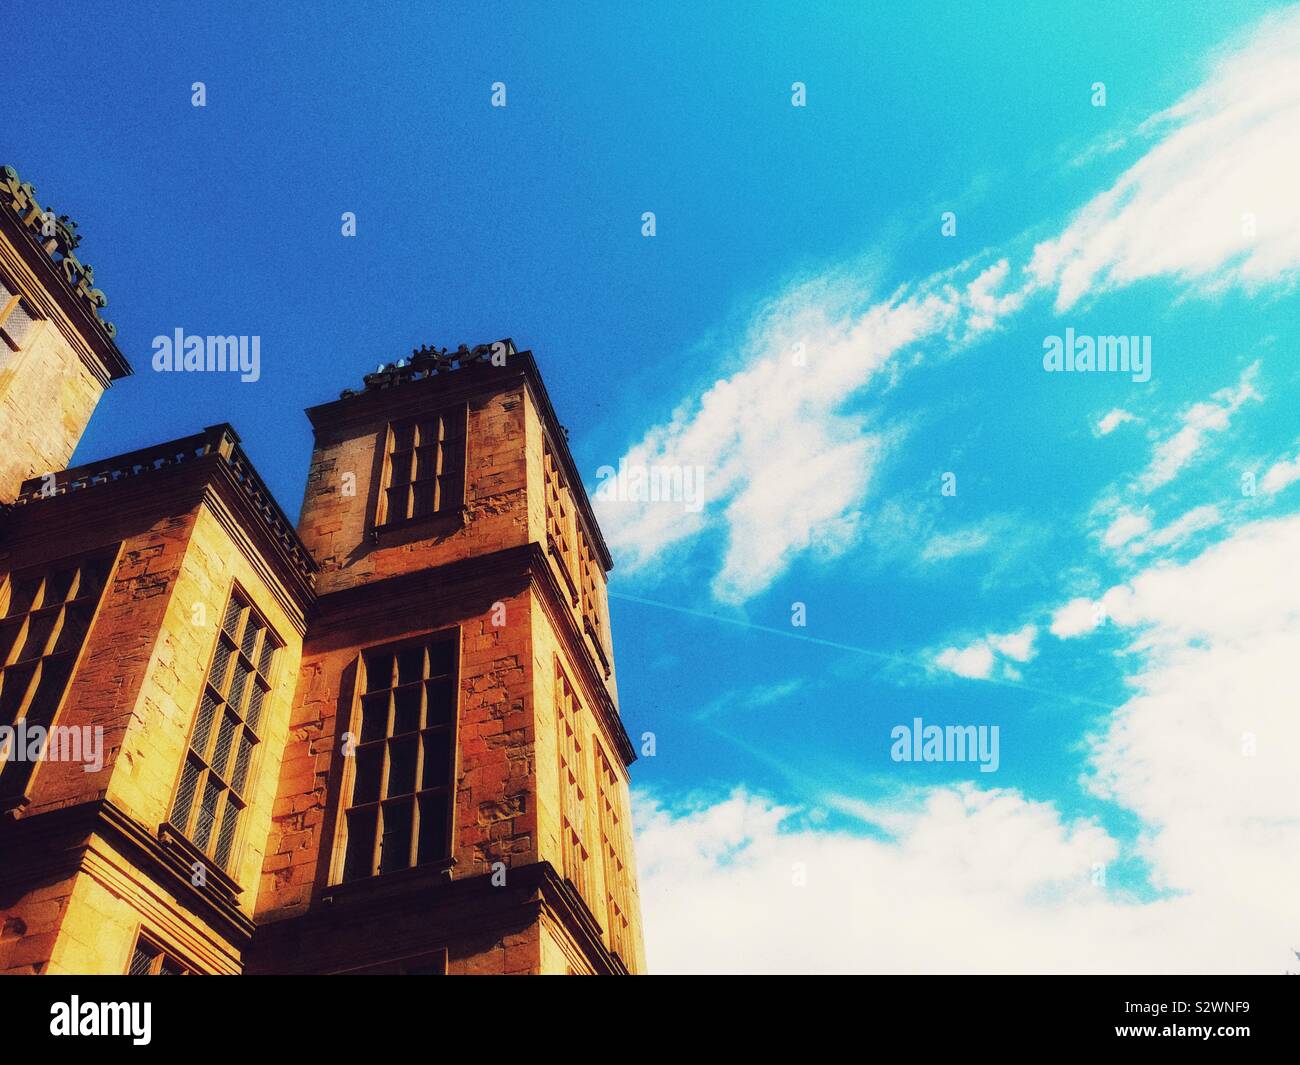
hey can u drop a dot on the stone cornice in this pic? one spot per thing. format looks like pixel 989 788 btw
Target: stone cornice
pixel 532 890
pixel 527 564
pixel 58 841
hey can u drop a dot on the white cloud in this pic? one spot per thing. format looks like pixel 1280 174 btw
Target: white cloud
pixel 1112 421
pixel 1201 419
pixel 1076 617
pixel 943 546
pixel 1280 475
pixel 1176 532
pixel 975 660
pixel 786 470
pixel 1126 526
pixel 789 468
pixel 1016 645
pixel 1214 201
pixel 978 659
pixel 972 880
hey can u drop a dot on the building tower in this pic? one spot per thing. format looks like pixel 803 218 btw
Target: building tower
pixel 454 793
pixel 385 742
pixel 56 355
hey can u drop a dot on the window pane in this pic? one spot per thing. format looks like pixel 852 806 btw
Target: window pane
pixel 58 586
pixel 49 690
pixel 433 828
pixel 254 713
pixel 379 672
pixel 8 633
pixel 441 658
pixel 402 437
pixel 401 767
pixel 249 643
pixel 22 595
pixel 221 663
pixel 207 814
pixel 267 657
pixel 226 838
pixel 225 743
pixel 39 627
pixel 395 848
pixel 142 959
pixel 369 764
pixel 441 702
pixel 374 717
pixel 76 620
pixel 361 844
pixel 239 685
pixel 13 687
pixel 400 468
pixel 242 761
pixel 203 726
pixel 437 760
pixel 426 463
pixel 233 610
pixel 410 665
pixel 93 575
pixel 406 709
pixel 185 794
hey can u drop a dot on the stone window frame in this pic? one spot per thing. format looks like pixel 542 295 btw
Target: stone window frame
pixel 614 847
pixel 420 736
pixel 404 441
pixel 593 621
pixel 51 646
pixel 148 954
pixel 11 300
pixel 574 793
pixel 262 676
pixel 560 518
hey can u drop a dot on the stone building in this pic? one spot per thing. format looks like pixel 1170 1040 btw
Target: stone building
pixel 384 742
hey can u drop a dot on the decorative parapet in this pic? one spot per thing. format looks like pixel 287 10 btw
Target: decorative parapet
pixel 220 441
pixel 429 361
pixel 57 236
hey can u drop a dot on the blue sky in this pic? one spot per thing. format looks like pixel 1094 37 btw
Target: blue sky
pixel 1166 213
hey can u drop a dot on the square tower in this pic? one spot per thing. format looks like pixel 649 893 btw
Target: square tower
pixel 56 355
pixel 454 793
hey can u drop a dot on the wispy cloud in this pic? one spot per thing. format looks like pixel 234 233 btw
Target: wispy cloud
pixel 792 460
pixel 1111 421
pixel 1213 203
pixel 1195 426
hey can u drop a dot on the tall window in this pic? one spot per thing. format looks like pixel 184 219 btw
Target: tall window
pixel 399 809
pixel 424 468
pixel 16 317
pixel 149 959
pixel 573 788
pixel 216 780
pixel 590 592
pixel 559 519
pixel 612 842
pixel 44 617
